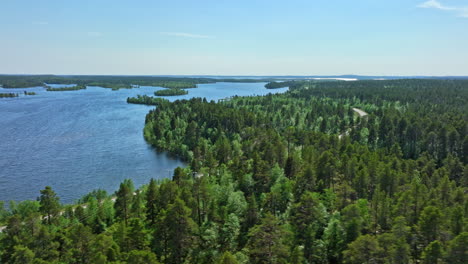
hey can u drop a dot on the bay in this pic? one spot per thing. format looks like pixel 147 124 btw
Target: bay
pixel 78 141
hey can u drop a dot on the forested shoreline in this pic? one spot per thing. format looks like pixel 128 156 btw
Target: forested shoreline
pixel 270 181
pixel 61 89
pixel 8 95
pixel 171 92
pixel 113 82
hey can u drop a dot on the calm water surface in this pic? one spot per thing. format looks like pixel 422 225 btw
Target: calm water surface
pixel 77 141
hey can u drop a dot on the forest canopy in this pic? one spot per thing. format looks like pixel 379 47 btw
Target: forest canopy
pixel 298 177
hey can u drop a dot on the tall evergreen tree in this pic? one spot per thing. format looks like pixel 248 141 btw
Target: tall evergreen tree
pixel 457 251
pixel 267 242
pixel 49 203
pixel 123 201
pixel 151 202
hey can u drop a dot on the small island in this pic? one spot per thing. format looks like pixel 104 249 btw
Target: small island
pixel 61 89
pixel 29 93
pixel 146 100
pixel 8 95
pixel 171 92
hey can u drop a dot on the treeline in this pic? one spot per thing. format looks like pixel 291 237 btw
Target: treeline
pixel 71 88
pixel 269 181
pixel 276 85
pixel 8 95
pixel 19 81
pixel 146 100
pixel 175 84
pixel 113 82
pixel 171 92
pixel 117 85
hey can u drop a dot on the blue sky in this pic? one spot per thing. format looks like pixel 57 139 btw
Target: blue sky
pixel 321 37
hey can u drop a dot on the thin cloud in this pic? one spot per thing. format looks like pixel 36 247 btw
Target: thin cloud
pixel 186 35
pixel 461 11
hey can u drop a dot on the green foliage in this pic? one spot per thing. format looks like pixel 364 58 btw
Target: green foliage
pixel 227 258
pixel 147 100
pixel 363 250
pixel 171 92
pixel 433 253
pixel 141 257
pixel 22 255
pixel 298 177
pixel 430 223
pixel 107 81
pixel 267 242
pixel 8 95
pixel 457 252
pixel 275 85
pixel 49 203
pixel 124 200
pixel 61 89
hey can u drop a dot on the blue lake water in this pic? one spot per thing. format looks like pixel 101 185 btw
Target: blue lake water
pixel 77 141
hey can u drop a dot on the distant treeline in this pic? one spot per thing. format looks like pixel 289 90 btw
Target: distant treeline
pixel 20 81
pixel 175 84
pixel 170 92
pixel 72 88
pixel 113 82
pixel 276 85
pixel 7 95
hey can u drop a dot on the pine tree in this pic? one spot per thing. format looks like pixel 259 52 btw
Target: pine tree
pixel 81 238
pixel 49 203
pixel 267 242
pixel 22 255
pixel 457 252
pixel 333 237
pixel 307 217
pixel 104 249
pixel 180 230
pixel 124 200
pixel 141 257
pixel 137 235
pixel 227 258
pixel 430 223
pixel 364 250
pixel 433 253
pixel 151 205
pixel 229 233
pixel 137 208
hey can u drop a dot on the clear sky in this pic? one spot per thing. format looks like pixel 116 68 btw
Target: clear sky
pixel 239 37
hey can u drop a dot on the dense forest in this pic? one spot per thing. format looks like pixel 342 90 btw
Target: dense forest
pixel 171 92
pixel 298 177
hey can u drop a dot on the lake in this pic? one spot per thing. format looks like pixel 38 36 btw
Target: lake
pixel 78 141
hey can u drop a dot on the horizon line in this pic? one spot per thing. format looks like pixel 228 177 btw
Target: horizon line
pixel 231 75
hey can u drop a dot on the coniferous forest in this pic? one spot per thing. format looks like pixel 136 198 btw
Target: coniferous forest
pixel 328 172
